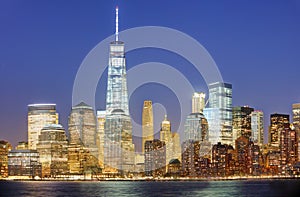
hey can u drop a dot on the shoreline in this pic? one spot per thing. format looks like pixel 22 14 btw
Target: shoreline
pixel 243 178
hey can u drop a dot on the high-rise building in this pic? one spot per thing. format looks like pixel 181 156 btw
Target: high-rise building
pixel 198 102
pixel 53 150
pixel 176 146
pixel 296 123
pixel 100 136
pixel 220 97
pixel 166 137
pixel 214 126
pixel 257 128
pixel 155 158
pixel 118 146
pixel 190 158
pixel 5 147
pixel 241 122
pixel 147 123
pixel 195 127
pixel 277 124
pixel 288 148
pixel 82 127
pixel 39 115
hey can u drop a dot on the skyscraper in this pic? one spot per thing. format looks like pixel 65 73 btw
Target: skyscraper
pixel 277 124
pixel 82 127
pixel 296 123
pixel 147 123
pixel 39 115
pixel 198 102
pixel 220 97
pixel 241 122
pixel 53 150
pixel 257 128
pixel 288 148
pixel 195 127
pixel 118 146
pixel 166 137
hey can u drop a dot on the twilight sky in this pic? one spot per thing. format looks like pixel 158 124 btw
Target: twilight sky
pixel 255 44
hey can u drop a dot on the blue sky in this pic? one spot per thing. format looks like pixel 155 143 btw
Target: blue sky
pixel 255 44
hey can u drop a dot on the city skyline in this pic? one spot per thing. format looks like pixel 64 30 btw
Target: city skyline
pixel 13 127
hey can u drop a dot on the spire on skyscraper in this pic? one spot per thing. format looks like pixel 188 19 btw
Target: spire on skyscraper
pixel 117 24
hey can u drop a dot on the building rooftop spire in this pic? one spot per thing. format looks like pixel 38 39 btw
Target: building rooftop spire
pixel 117 24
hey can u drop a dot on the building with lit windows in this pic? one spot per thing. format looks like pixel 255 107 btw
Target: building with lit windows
pixel 39 115
pixel 100 136
pixel 196 127
pixel 241 122
pixel 288 148
pixel 198 102
pixel 24 163
pixel 220 97
pixel 257 128
pixel 296 123
pixel 155 158
pixel 53 150
pixel 190 158
pixel 5 147
pixel 82 127
pixel 214 125
pixel 277 124
pixel 118 145
pixel 147 123
pixel 22 146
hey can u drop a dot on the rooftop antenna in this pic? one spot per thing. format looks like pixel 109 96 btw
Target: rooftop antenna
pixel 117 24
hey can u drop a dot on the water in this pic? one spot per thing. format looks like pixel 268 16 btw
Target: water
pixel 144 188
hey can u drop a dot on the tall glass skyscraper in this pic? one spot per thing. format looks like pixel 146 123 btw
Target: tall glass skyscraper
pixel 118 146
pixel 220 97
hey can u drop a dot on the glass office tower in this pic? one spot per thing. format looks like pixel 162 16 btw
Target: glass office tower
pixel 220 97
pixel 118 146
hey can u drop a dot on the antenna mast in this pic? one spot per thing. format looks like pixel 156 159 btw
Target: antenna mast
pixel 117 24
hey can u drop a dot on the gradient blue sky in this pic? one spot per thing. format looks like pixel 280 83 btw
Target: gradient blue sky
pixel 255 44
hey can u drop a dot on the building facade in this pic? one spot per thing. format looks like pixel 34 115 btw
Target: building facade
pixel 24 163
pixel 5 147
pixel 53 150
pixel 147 123
pixel 101 116
pixel 196 127
pixel 241 122
pixel 220 97
pixel 296 123
pixel 198 102
pixel 82 127
pixel 257 128
pixel 155 158
pixel 277 124
pixel 39 115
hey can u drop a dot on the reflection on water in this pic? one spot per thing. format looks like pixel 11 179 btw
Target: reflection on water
pixel 144 188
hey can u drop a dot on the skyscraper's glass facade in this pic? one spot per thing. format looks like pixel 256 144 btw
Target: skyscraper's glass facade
pixel 220 96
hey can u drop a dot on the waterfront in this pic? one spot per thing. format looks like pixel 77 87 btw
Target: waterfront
pixel 151 188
